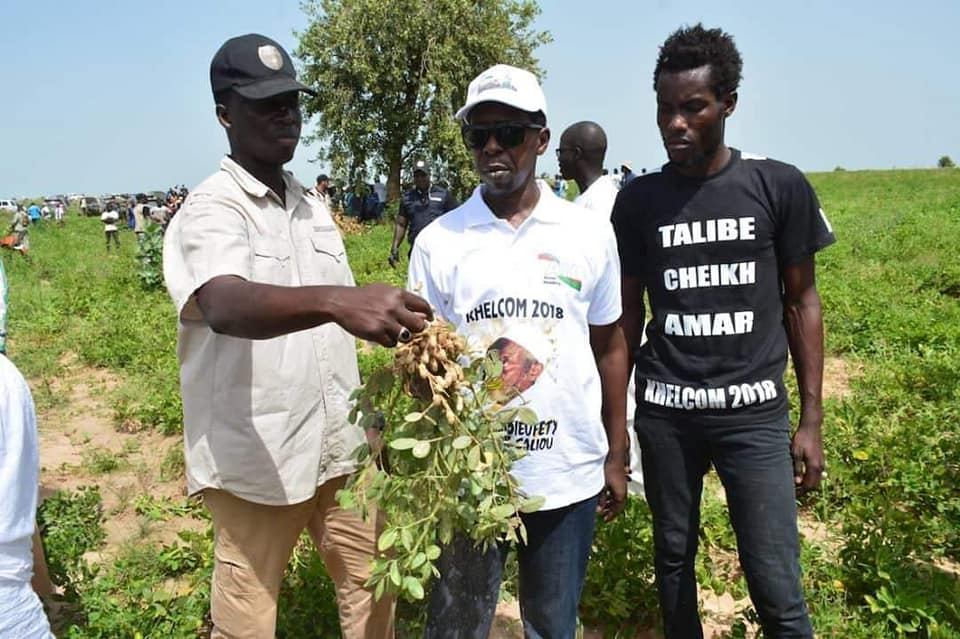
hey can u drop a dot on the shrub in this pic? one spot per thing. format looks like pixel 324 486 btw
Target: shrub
pixel 69 525
pixel 619 591
pixel 150 257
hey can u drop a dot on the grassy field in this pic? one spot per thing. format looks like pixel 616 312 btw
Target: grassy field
pixel 881 541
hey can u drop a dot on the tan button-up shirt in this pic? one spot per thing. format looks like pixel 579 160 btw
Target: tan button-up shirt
pixel 265 420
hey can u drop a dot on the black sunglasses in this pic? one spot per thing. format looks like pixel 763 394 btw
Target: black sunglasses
pixel 508 134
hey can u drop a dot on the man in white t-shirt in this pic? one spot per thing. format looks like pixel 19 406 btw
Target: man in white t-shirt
pixel 110 218
pixel 21 614
pixel 522 272
pixel 583 146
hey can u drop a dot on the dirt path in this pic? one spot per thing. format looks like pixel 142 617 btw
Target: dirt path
pixel 81 446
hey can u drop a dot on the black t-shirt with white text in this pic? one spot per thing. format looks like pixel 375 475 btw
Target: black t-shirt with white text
pixel 709 252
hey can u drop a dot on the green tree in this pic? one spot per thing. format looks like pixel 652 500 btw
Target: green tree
pixel 390 76
pixel 945 162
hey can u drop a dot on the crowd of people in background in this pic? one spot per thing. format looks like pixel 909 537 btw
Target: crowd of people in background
pixel 134 212
pixel 619 177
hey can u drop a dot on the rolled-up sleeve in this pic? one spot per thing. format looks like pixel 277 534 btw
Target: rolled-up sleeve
pixel 207 238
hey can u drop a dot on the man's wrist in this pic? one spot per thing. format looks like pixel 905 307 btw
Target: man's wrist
pixel 616 455
pixel 810 417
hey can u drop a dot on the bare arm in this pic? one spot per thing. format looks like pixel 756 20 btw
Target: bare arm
pixel 41 573
pixel 610 352
pixel 803 321
pixel 234 306
pixel 634 315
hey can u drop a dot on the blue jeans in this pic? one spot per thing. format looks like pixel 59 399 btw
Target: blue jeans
pixel 552 567
pixel 753 462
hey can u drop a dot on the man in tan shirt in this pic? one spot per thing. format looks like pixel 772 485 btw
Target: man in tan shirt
pixel 268 309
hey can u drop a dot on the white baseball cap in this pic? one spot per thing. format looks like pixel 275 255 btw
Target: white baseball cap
pixel 507 85
pixel 533 339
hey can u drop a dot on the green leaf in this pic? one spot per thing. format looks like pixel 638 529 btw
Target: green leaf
pixel 502 511
pixel 403 443
pixel 432 552
pixel 461 442
pixel 861 455
pixel 526 415
pixel 378 593
pixel 406 538
pixel 418 560
pixel 395 573
pixel 415 416
pixel 532 504
pixel 421 449
pixel 346 499
pixel 387 539
pixel 473 458
pixel 413 587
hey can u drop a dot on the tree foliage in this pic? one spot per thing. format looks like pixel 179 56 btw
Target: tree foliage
pixel 945 162
pixel 390 76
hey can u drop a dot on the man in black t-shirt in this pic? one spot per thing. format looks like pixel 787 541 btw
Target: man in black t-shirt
pixel 723 244
pixel 419 206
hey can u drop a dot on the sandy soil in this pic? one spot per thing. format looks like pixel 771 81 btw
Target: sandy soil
pixel 74 430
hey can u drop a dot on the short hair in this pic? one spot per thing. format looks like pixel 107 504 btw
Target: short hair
pixel 323 177
pixel 693 47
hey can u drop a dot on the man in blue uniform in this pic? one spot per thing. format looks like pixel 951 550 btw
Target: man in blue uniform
pixel 418 207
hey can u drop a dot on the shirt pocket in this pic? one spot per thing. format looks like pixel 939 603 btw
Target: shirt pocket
pixel 327 242
pixel 326 261
pixel 271 261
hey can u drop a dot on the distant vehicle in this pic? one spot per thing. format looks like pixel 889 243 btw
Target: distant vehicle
pixel 121 202
pixel 8 205
pixel 90 205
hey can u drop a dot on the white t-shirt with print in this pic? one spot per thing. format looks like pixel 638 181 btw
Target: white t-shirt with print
pixel 540 286
pixel 109 219
pixel 19 474
pixel 599 196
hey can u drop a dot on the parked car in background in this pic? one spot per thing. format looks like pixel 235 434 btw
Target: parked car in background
pixel 90 205
pixel 121 203
pixel 8 205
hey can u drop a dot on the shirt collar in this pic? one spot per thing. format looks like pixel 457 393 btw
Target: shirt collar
pixel 256 188
pixel 479 214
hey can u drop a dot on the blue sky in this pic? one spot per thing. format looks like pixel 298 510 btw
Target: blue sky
pixel 109 96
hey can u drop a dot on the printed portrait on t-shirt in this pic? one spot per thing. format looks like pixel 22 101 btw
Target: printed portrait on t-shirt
pixel 523 356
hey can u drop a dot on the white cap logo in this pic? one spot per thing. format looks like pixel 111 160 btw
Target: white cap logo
pixel 270 56
pixel 507 85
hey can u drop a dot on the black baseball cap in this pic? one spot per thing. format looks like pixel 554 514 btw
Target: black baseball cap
pixel 421 167
pixel 254 66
